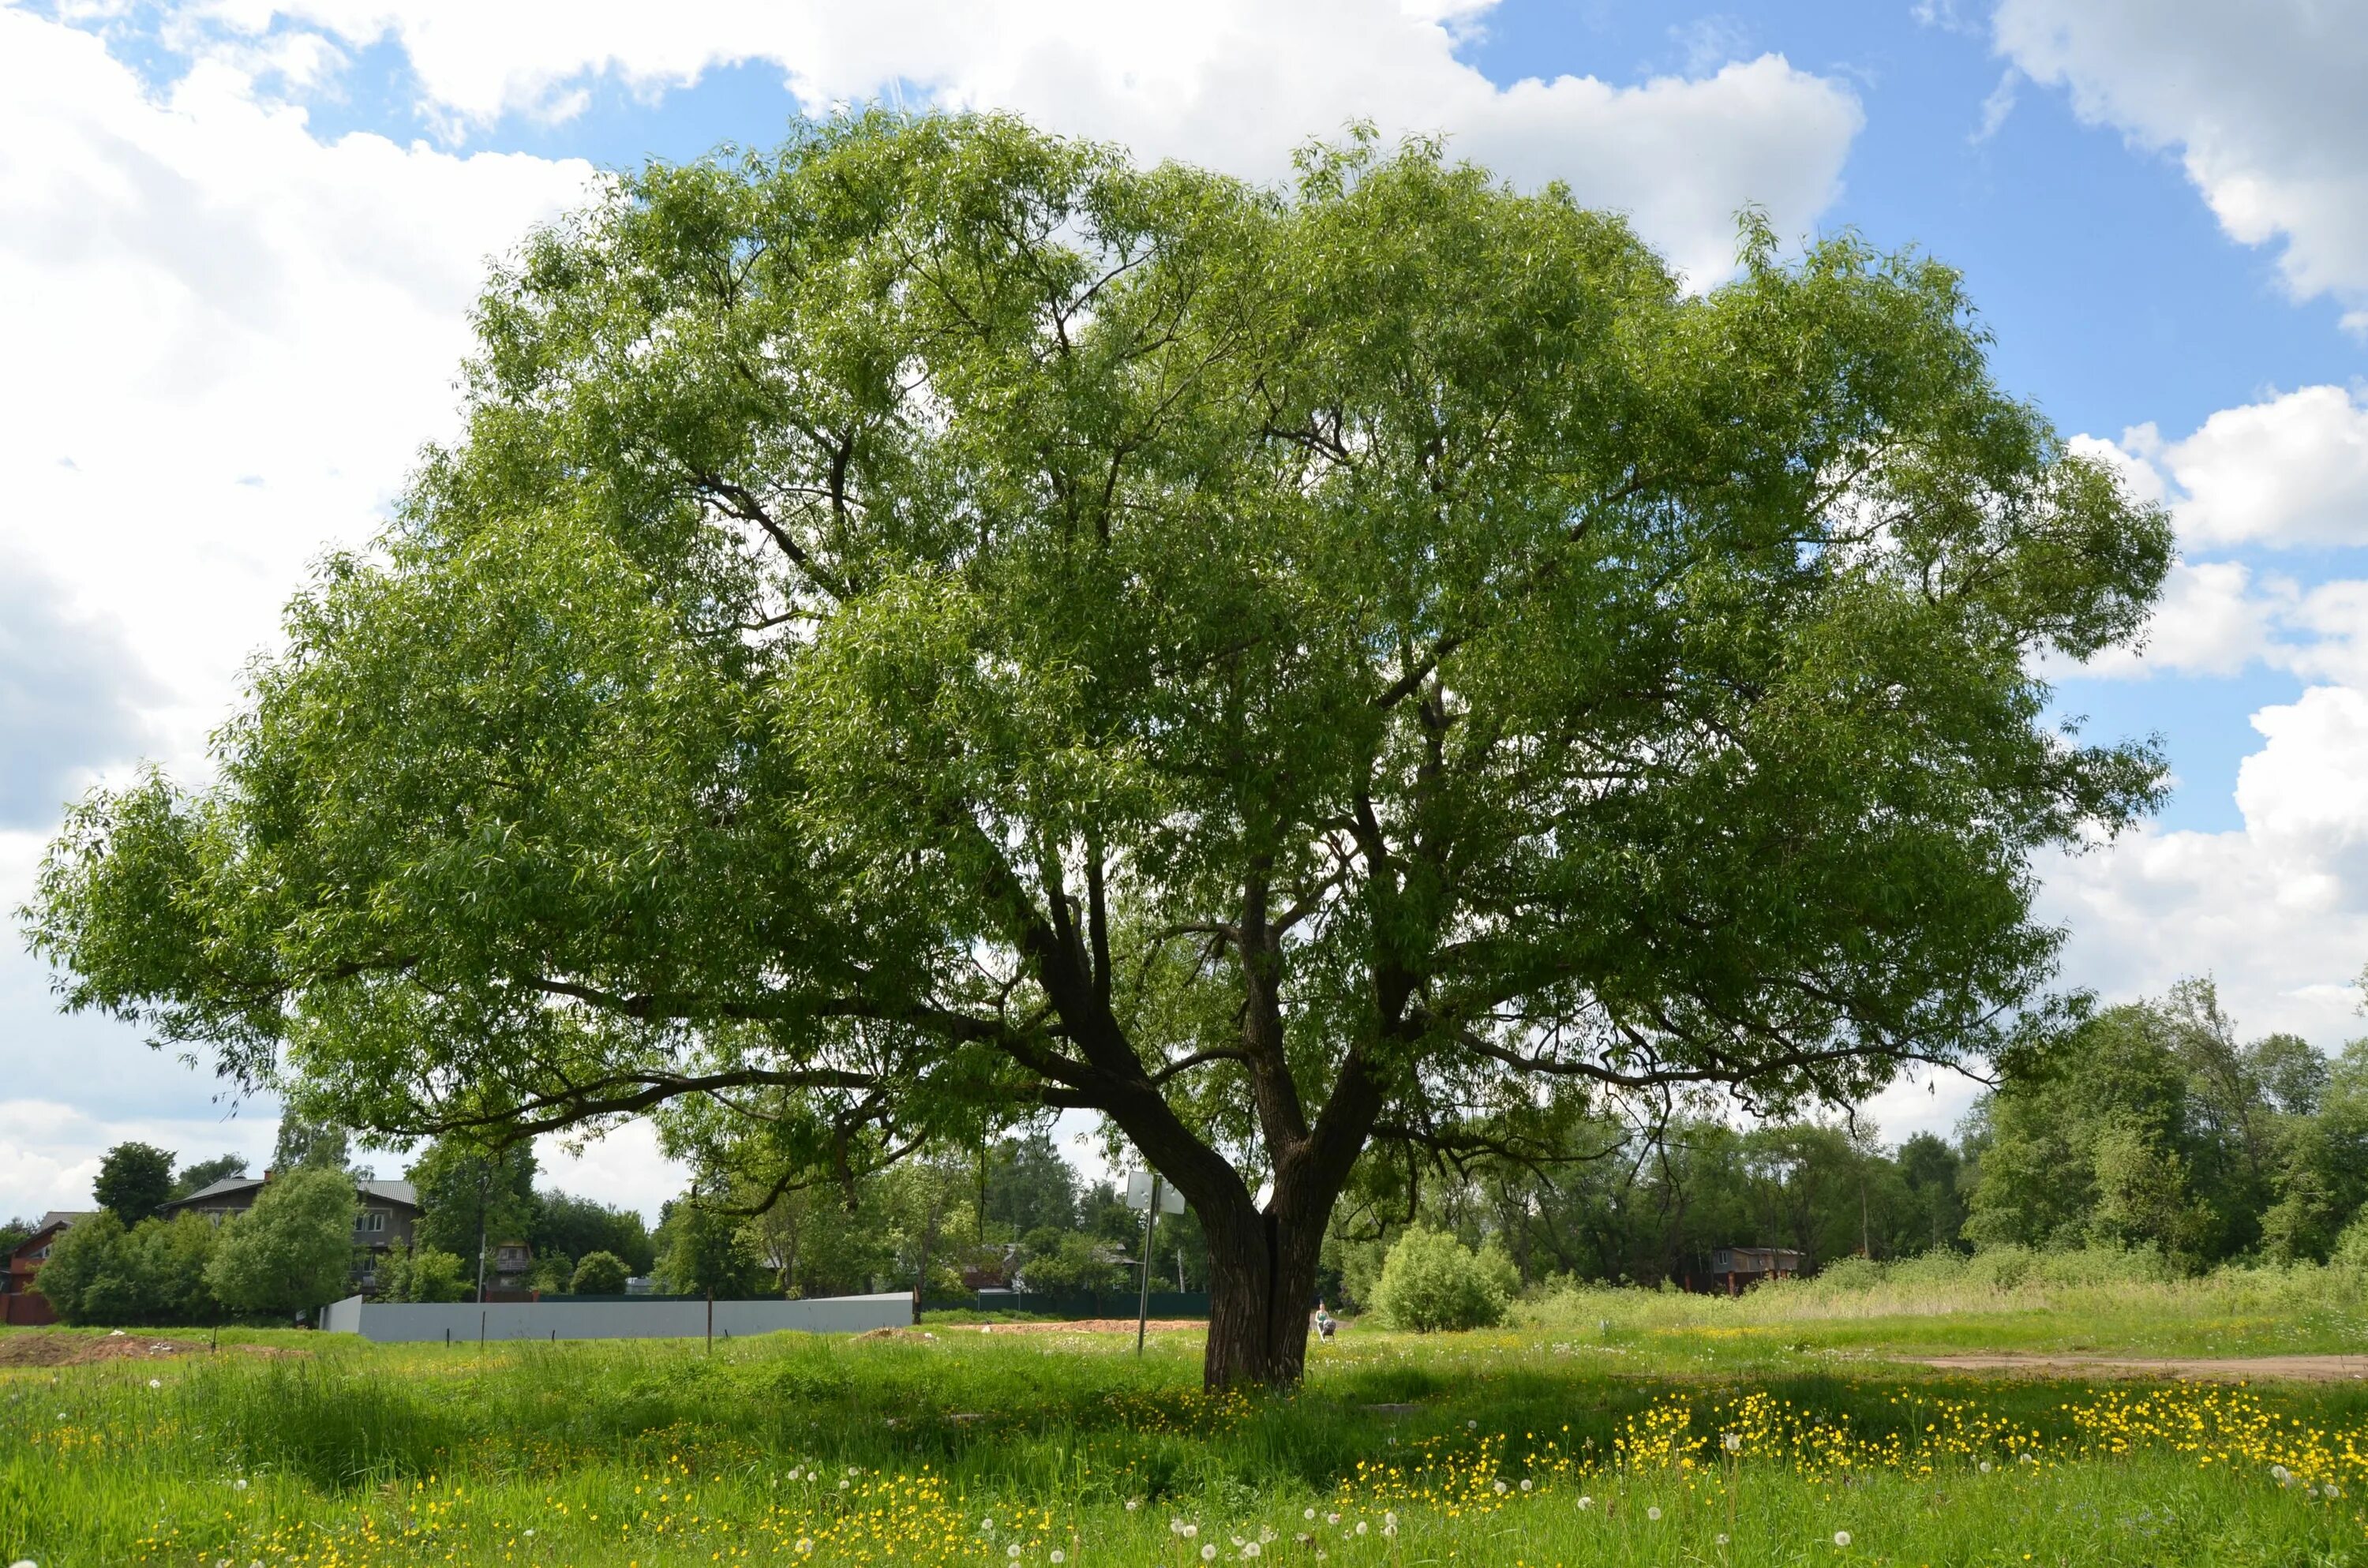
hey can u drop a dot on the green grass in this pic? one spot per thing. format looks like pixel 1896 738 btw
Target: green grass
pixel 900 1450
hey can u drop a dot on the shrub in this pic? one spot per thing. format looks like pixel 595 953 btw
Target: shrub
pixel 599 1273
pixel 154 1272
pixel 425 1274
pixel 1069 1264
pixel 2352 1246
pixel 293 1250
pixel 1432 1282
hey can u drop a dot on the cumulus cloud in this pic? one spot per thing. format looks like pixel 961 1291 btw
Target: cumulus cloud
pixel 2209 623
pixel 2277 911
pixel 228 342
pixel 1235 84
pixel 70 690
pixel 2262 103
pixel 2290 472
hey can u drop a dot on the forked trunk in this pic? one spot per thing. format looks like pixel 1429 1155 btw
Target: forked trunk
pixel 1261 1291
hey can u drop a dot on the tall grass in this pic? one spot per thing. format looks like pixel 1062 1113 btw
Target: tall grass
pixel 2095 1299
pixel 961 1447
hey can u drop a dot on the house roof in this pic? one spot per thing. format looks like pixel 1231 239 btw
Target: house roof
pixel 54 1221
pixel 401 1192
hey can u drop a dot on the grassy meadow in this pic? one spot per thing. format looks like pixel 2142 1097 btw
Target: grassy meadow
pixel 1607 1427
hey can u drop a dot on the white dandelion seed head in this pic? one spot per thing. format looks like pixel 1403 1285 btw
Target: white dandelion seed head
pixel 1388 1518
pixel 1389 1530
pixel 1527 1484
pixel 1012 1551
pixel 1188 1531
pixel 1732 1442
pixel 239 1484
pixel 155 1383
pixel 1251 1549
pixel 1331 1518
pixel 795 1470
pixel 1841 1538
pixel 806 1543
pixel 1360 1527
pixel 844 1483
pixel 1653 1513
pixel 1307 1512
pixel 1985 1467
pixel 1133 1504
pixel 1057 1555
pixel 1472 1425
pixel 1722 1537
pixel 1497 1487
pixel 1586 1501
pixel 1208 1552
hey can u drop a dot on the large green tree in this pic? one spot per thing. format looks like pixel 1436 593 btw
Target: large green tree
pixel 135 1180
pixel 293 1250
pixel 940 623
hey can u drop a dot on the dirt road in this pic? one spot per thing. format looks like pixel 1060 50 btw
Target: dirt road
pixel 2232 1368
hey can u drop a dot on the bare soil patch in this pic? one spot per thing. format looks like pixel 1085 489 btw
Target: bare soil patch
pixel 2230 1369
pixel 54 1349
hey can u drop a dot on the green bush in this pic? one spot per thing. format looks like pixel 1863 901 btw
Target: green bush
pixel 599 1273
pixel 293 1251
pixel 2352 1246
pixel 1432 1282
pixel 153 1273
pixel 425 1274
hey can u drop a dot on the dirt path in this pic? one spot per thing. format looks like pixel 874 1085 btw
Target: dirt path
pixel 2231 1369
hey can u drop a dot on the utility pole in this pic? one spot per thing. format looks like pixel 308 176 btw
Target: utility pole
pixel 484 1193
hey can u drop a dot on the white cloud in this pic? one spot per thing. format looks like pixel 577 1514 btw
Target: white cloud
pixel 2207 624
pixel 50 1150
pixel 228 339
pixel 2277 910
pixel 225 340
pixel 2262 101
pixel 1234 84
pixel 2291 470
pixel 625 1169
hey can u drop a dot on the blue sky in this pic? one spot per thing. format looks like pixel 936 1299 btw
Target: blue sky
pixel 238 239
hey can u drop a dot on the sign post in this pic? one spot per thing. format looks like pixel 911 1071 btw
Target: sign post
pixel 1144 1191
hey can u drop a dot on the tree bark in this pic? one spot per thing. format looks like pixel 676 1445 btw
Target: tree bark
pixel 1262 1269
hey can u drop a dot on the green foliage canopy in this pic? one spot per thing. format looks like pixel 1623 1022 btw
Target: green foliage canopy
pixel 293 1250
pixel 155 1273
pixel 940 623
pixel 599 1273
pixel 134 1181
pixel 1431 1281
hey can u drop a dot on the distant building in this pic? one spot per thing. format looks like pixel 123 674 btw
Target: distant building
pixel 1737 1266
pixel 510 1271
pixel 21 1305
pixel 385 1212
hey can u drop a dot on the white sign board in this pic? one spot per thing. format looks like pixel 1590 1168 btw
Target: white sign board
pixel 1138 1194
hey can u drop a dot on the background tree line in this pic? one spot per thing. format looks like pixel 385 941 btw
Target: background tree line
pixel 2151 1126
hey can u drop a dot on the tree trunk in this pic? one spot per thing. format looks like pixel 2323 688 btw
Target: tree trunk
pixel 1261 1289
